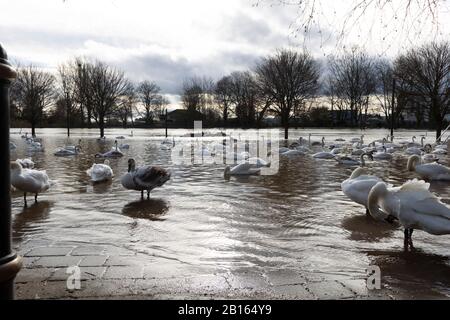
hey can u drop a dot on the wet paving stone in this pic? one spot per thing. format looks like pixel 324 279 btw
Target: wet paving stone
pixel 93 261
pixel 56 262
pixel 49 251
pixel 121 272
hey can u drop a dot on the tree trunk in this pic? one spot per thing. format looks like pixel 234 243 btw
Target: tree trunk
pixel 33 130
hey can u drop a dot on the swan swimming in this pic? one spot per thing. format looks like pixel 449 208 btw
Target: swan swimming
pixel 63 152
pixel 29 180
pixel 413 205
pixel 353 162
pixel 242 169
pixel 144 178
pixel 113 153
pixel 100 172
pixel 428 171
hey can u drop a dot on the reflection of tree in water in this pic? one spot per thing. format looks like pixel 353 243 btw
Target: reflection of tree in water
pixel 151 209
pixel 26 220
pixel 364 228
pixel 416 272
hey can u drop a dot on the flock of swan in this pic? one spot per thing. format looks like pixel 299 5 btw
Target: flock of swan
pixel 29 180
pixel 411 205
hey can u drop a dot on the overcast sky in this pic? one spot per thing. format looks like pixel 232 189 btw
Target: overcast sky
pixel 170 40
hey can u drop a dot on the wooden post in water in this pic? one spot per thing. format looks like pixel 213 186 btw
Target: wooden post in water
pixel 10 263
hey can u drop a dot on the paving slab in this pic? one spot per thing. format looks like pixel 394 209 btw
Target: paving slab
pixel 92 261
pixel 57 261
pixel 124 272
pixel 329 290
pixel 49 251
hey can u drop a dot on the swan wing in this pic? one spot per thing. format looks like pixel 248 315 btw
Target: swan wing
pixel 151 177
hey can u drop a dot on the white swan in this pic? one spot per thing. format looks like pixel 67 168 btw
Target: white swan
pixel 382 155
pixel 29 180
pixel 429 171
pixel 144 178
pixel 353 162
pixel 413 150
pixel 242 169
pixel 324 155
pixel 258 162
pixel 413 205
pixel 113 153
pixel 36 146
pixel 26 163
pixel 63 152
pixel 358 186
pixel 293 153
pixel 100 172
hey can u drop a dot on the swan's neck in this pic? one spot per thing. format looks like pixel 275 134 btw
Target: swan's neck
pixel 412 162
pixel 377 192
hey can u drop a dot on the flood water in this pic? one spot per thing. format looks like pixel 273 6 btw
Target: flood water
pixel 200 222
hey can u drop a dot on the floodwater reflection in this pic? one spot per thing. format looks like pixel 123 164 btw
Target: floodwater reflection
pixel 27 220
pixel 297 219
pixel 150 209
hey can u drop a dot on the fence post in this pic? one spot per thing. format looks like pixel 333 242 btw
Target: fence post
pixel 10 263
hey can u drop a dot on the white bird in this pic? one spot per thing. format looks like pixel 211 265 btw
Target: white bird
pixel 100 172
pixel 324 155
pixel 358 186
pixel 428 171
pixel 26 163
pixel 292 153
pixel 124 146
pixel 413 150
pixel 63 152
pixel 382 155
pixel 113 153
pixel 258 162
pixel 353 162
pixel 29 180
pixel 120 137
pixel 144 178
pixel 36 146
pixel 74 147
pixel 242 169
pixel 413 205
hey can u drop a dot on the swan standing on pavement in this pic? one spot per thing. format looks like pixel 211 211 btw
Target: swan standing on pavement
pixel 428 171
pixel 100 172
pixel 358 186
pixel 29 180
pixel 144 178
pixel 413 205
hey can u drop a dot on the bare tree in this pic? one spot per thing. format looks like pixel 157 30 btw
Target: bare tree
pixel 192 95
pixel 33 92
pixel 105 87
pixel 67 91
pixel 353 77
pixel 392 21
pixel 126 104
pixel 148 95
pixel 223 97
pixel 287 78
pixel 426 72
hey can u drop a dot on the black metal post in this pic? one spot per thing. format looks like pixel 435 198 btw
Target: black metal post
pixel 392 109
pixel 166 122
pixel 10 263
